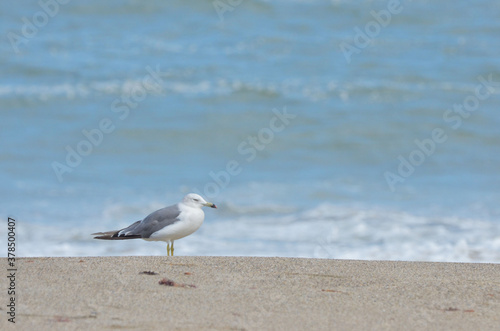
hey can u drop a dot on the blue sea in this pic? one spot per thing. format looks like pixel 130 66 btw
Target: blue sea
pixel 323 129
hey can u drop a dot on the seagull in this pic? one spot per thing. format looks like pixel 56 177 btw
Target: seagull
pixel 166 224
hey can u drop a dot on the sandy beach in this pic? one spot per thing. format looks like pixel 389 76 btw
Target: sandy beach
pixel 243 293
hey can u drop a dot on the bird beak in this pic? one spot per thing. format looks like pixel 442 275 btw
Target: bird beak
pixel 211 205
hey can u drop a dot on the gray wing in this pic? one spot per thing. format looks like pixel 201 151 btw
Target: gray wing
pixel 152 223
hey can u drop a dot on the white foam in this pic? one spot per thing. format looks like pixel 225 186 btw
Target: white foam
pixel 326 231
pixel 183 82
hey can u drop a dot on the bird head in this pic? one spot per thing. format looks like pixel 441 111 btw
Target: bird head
pixel 196 200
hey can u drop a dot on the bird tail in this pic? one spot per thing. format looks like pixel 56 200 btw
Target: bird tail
pixel 113 235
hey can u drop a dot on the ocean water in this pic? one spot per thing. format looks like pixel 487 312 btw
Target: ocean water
pixel 328 129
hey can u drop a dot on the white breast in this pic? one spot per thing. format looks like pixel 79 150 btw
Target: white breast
pixel 191 218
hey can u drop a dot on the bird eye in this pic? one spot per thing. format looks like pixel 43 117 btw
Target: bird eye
pixel 196 200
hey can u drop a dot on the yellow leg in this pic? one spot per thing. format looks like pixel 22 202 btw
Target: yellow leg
pixel 170 248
